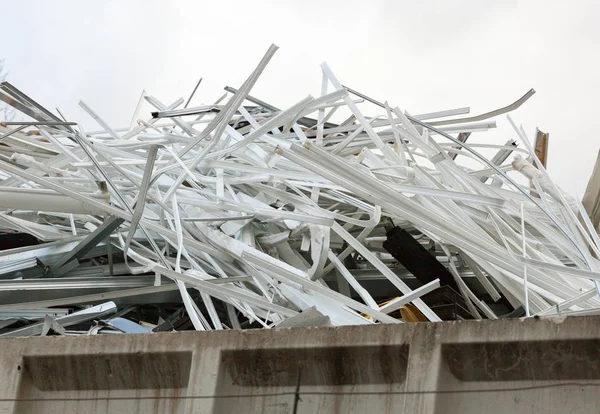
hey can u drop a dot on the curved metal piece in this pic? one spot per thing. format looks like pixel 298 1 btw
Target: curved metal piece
pixel 516 104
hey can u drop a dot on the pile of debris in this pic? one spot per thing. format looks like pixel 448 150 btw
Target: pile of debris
pixel 242 215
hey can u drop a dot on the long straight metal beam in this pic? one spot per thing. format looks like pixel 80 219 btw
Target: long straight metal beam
pixel 95 297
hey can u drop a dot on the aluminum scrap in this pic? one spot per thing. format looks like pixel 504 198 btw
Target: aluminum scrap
pixel 240 214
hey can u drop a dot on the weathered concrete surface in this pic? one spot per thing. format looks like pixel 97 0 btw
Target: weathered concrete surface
pixel 509 366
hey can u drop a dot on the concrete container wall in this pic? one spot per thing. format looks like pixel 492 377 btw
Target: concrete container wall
pixel 509 366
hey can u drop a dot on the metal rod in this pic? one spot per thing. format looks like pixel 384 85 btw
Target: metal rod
pixel 192 94
pixel 12 132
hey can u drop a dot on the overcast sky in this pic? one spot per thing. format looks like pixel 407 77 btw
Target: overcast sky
pixel 422 56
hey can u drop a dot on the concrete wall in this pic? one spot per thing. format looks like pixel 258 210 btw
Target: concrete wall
pixel 510 366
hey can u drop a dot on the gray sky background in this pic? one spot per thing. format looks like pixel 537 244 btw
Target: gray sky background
pixel 419 55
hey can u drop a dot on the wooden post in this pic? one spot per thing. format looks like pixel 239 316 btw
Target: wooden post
pixel 541 146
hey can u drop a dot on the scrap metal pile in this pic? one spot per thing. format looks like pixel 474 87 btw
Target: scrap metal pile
pixel 242 215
